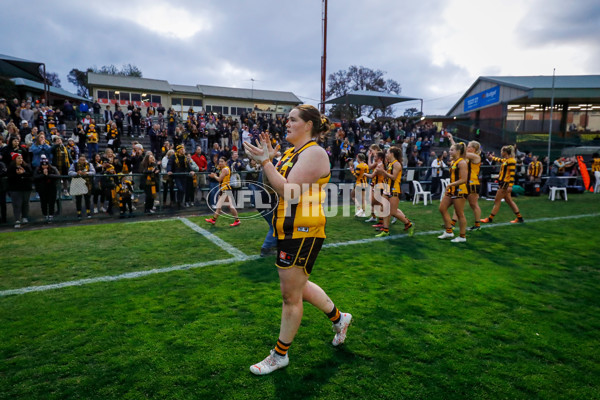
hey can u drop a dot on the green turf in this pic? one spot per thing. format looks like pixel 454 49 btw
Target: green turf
pixel 48 256
pixel 513 313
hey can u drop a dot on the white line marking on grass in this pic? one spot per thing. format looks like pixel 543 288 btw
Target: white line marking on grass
pixel 132 275
pixel 129 275
pixel 439 231
pixel 216 240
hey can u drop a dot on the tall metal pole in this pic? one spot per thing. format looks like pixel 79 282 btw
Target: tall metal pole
pixel 551 121
pixel 324 58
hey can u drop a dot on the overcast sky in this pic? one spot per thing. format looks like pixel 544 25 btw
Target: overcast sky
pixel 435 49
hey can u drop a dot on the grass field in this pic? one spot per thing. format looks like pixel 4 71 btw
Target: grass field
pixel 512 313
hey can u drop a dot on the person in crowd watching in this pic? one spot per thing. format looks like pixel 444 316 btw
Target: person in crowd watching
pixel 73 149
pixel 178 167
pixel 27 114
pixel 168 182
pixel 108 183
pixel 46 177
pixel 112 136
pixel 97 193
pixel 20 178
pixel 81 135
pixel 202 164
pixel 125 193
pixel 213 183
pixel 3 189
pixel 13 146
pixel 40 148
pixel 92 140
pixel 118 118
pixel 25 129
pixel 84 169
pixel 61 159
pixel 149 183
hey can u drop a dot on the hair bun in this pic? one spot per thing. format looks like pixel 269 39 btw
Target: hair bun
pixel 325 124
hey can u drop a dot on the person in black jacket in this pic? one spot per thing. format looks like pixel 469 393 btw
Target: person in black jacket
pixel 45 178
pixel 3 185
pixel 19 187
pixel 179 165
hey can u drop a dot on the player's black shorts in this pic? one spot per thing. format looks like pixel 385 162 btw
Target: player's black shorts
pixel 298 253
pixel 473 189
pixel 504 185
pixel 454 194
pixel 393 194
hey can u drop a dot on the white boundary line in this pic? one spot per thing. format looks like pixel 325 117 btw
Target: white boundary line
pixel 215 239
pixel 138 274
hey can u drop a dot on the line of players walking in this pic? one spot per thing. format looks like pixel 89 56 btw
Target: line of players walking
pixel 384 170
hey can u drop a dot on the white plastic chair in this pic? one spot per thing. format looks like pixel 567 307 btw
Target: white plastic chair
pixel 554 190
pixel 444 183
pixel 420 192
pixel 597 184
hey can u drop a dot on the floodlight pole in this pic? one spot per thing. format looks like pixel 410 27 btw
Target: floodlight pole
pixel 551 121
pixel 324 58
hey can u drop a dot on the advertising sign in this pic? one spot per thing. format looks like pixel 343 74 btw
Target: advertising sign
pixel 482 99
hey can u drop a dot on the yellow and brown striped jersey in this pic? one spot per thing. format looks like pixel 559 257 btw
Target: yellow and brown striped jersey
pixel 378 181
pixel 535 169
pixel 224 185
pixel 596 164
pixel 507 169
pixel 304 217
pixel 473 172
pixel 455 176
pixel 393 186
pixel 359 172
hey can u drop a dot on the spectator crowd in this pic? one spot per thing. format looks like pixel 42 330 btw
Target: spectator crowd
pixel 41 157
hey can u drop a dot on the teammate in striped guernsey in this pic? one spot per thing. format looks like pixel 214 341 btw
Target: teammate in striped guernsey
pixel 456 194
pixel 373 159
pixel 298 178
pixel 393 177
pixel 225 193
pixel 361 187
pixel 377 189
pixel 473 158
pixel 534 170
pixel 505 182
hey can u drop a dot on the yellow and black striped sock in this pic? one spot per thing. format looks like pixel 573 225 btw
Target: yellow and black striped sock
pixel 334 315
pixel 384 229
pixel 380 221
pixel 448 230
pixel 408 224
pixel 518 214
pixel 462 235
pixel 477 223
pixel 281 348
pixel 491 217
pixel 453 222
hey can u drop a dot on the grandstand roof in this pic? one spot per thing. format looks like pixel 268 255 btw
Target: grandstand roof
pixel 13 67
pixel 53 90
pixel 249 94
pixel 532 89
pixel 129 82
